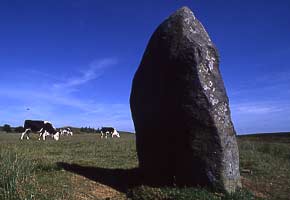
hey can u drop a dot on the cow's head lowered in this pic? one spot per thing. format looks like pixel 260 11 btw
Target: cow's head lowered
pixel 56 136
pixel 51 130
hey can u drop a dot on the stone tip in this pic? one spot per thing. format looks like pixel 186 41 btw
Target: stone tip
pixel 184 9
pixel 182 12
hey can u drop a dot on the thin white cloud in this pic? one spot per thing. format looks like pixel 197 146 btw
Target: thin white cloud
pixel 253 109
pixel 261 116
pixel 258 108
pixel 95 69
pixel 33 97
pixel 81 112
pixel 59 105
pixel 266 83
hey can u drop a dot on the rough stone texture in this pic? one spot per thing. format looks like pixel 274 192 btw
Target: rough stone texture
pixel 180 109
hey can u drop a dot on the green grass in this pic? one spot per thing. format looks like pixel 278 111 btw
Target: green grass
pixel 168 193
pixel 15 172
pixel 87 167
pixel 269 163
pixel 39 160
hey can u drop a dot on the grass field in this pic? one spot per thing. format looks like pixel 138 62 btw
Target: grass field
pixel 87 167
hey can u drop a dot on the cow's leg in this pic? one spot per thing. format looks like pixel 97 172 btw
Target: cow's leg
pixel 44 135
pixel 40 133
pixel 102 134
pixel 27 134
pixel 40 130
pixel 24 133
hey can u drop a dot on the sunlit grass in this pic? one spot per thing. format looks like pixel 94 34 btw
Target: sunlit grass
pixel 30 169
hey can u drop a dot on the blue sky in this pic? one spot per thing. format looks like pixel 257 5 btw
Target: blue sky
pixel 72 61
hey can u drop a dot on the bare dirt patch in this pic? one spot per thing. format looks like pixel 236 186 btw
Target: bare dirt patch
pixel 247 183
pixel 86 189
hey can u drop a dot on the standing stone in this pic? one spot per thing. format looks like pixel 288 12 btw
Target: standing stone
pixel 180 109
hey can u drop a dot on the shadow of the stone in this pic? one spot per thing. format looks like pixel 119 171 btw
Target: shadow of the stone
pixel 119 179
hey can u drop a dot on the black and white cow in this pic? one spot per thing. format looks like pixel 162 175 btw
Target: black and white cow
pixel 44 128
pixel 109 130
pixel 66 131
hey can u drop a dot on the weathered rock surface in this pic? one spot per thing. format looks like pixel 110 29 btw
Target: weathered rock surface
pixel 180 109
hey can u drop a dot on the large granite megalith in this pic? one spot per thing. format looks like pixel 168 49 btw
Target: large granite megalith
pixel 180 109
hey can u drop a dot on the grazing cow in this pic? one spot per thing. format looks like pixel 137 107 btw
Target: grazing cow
pixel 44 128
pixel 66 131
pixel 109 130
